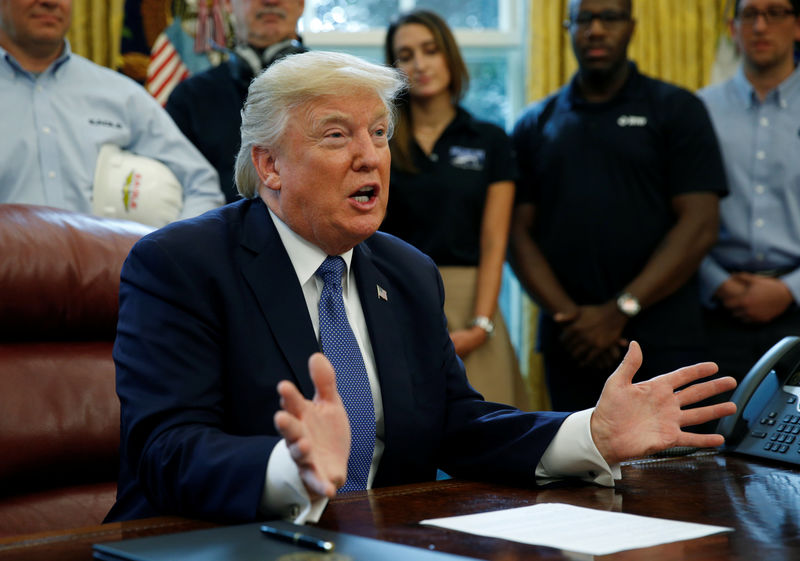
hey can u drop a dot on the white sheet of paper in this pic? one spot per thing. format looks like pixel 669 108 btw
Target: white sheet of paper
pixel 578 529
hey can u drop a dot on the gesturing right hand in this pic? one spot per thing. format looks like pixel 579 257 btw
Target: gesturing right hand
pixel 317 432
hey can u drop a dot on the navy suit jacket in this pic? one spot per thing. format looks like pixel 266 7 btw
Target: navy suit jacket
pixel 212 317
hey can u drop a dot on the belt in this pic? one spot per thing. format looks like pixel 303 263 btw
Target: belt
pixel 773 273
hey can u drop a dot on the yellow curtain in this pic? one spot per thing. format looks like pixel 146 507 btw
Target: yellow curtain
pixel 675 40
pixel 96 30
pixel 550 63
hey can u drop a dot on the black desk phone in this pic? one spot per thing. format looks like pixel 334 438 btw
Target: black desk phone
pixel 767 421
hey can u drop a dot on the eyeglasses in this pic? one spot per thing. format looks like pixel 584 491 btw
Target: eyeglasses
pixel 609 19
pixel 773 14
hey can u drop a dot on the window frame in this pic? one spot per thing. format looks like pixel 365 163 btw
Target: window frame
pixel 508 40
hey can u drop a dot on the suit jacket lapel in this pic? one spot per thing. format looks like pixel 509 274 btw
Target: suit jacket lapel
pixel 375 292
pixel 272 278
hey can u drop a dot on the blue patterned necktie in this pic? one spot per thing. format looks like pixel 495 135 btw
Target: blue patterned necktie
pixel 340 346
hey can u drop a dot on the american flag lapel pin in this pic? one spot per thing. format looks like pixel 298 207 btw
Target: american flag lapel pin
pixel 382 293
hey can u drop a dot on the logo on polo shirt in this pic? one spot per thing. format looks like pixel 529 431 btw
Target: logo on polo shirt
pixel 632 121
pixel 467 158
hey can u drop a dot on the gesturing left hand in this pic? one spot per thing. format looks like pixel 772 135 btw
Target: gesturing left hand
pixel 634 420
pixel 317 432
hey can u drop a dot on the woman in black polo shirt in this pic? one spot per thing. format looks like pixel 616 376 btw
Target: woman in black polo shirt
pixel 451 196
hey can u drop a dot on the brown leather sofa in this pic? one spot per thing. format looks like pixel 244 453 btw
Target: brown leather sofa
pixel 59 412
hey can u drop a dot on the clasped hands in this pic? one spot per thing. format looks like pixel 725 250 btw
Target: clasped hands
pixel 629 421
pixel 753 298
pixel 593 334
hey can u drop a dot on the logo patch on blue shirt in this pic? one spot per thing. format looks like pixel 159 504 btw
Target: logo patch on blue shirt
pixel 104 123
pixel 467 158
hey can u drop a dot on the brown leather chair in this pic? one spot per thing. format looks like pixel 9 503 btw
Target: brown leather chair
pixel 59 412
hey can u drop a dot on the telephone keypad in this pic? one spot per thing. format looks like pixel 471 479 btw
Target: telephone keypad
pixel 776 447
pixel 783 434
pixel 769 407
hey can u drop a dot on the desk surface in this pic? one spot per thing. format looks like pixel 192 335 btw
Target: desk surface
pixel 761 500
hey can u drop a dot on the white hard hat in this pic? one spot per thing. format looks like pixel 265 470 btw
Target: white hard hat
pixel 135 188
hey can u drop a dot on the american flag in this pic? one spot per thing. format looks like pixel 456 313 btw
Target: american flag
pixel 176 54
pixel 166 69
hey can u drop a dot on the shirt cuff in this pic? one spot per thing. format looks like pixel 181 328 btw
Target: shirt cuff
pixel 792 281
pixel 572 453
pixel 711 276
pixel 284 495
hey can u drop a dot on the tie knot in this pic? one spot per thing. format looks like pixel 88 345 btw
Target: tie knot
pixel 331 270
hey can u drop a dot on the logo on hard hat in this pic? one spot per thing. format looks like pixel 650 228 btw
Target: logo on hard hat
pixel 134 187
pixel 130 191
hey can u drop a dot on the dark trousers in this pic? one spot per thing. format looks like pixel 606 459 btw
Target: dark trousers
pixel 573 388
pixel 736 346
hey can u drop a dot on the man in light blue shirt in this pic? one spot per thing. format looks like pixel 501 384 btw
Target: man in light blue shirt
pixel 59 109
pixel 750 282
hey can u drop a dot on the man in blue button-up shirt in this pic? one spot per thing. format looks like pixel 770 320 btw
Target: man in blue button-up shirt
pixel 750 282
pixel 59 109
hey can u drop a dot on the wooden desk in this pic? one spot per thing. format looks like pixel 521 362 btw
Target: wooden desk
pixel 759 499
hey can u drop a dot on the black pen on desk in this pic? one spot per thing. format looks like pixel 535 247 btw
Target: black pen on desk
pixel 297 538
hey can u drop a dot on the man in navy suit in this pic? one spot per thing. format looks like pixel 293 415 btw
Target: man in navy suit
pixel 224 416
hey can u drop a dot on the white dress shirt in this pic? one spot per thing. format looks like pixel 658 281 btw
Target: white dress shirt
pixel 572 452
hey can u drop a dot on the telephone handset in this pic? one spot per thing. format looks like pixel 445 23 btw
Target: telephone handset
pixel 767 421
